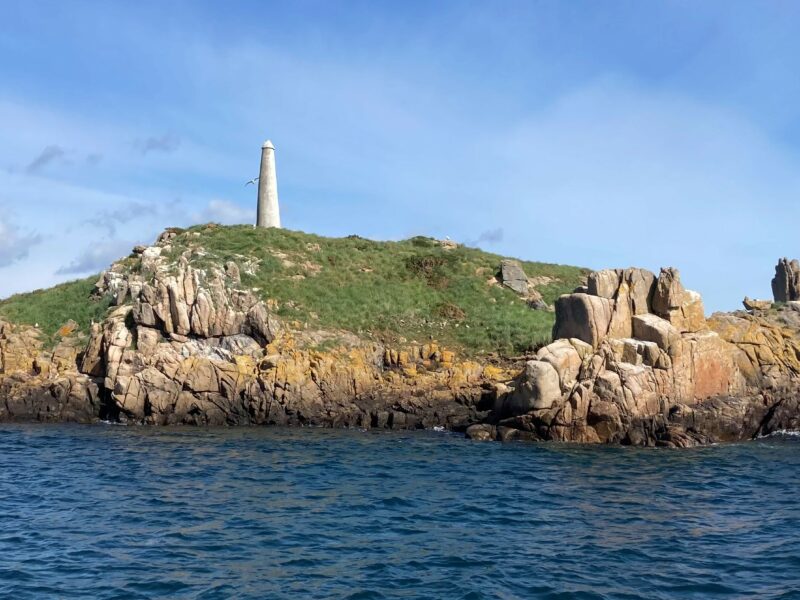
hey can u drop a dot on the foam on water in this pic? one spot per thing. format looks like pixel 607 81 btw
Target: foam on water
pixel 136 512
pixel 783 433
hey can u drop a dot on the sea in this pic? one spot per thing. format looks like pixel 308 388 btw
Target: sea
pixel 109 511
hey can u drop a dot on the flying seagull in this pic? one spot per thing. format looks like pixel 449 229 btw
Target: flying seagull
pixel 253 181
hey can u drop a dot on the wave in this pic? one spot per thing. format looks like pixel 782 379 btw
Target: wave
pixel 782 433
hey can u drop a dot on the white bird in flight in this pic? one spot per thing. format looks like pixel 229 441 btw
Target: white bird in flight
pixel 253 181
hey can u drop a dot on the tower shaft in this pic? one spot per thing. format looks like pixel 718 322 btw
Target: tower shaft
pixel 268 210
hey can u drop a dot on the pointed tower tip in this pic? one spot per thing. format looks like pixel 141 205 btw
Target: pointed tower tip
pixel 268 144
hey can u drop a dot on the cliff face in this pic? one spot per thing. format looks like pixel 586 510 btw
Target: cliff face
pixel 638 363
pixel 634 361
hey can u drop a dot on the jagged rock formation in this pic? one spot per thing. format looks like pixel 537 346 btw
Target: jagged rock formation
pixel 189 346
pixel 636 362
pixel 786 283
pixel 43 385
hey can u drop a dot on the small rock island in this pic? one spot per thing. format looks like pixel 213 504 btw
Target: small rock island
pixel 263 326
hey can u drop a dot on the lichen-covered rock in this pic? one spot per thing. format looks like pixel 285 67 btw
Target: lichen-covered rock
pixel 651 370
pixel 189 346
pixel 753 305
pixel 37 384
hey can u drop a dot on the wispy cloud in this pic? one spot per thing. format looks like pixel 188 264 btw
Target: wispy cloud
pixel 14 245
pixel 96 257
pixel 109 220
pixel 167 143
pixel 46 157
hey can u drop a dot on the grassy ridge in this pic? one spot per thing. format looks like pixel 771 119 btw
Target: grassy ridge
pixel 53 307
pixel 411 290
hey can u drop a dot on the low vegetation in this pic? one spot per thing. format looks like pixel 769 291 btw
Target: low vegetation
pixel 414 289
pixel 53 307
pixel 393 292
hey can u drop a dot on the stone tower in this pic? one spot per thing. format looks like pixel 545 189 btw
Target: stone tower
pixel 269 214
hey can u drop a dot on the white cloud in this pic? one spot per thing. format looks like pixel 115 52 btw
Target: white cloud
pixel 225 212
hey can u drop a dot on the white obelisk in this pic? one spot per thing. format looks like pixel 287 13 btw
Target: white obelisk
pixel 269 214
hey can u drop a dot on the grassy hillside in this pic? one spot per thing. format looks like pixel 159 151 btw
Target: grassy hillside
pixel 386 291
pixel 53 307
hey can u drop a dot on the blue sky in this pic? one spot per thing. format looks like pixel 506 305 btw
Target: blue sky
pixel 601 134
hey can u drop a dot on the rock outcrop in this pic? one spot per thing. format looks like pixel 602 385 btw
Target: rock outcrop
pixel 636 362
pixel 786 283
pixel 756 305
pixel 184 345
pixel 43 385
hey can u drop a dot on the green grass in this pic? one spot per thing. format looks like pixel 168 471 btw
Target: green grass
pixel 53 307
pixel 387 291
pixel 393 292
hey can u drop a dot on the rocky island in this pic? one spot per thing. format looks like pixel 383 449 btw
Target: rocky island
pixel 240 326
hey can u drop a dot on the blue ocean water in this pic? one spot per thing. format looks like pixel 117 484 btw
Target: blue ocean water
pixel 130 512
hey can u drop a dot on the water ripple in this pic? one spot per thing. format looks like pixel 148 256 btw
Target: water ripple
pixel 114 512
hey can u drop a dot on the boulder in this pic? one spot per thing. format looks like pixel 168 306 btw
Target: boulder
pixel 566 356
pixel 481 432
pixel 584 317
pixel 604 283
pixel 604 418
pixel 669 291
pixel 513 277
pixel 636 352
pixel 538 388
pixel 537 303
pixel 753 305
pixel 652 328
